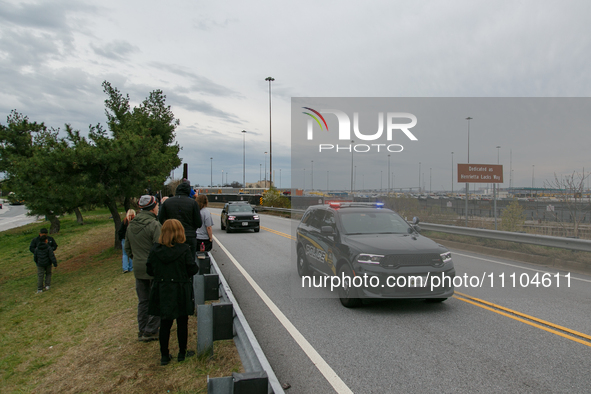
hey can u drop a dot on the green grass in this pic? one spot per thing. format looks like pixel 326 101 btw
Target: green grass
pixel 81 336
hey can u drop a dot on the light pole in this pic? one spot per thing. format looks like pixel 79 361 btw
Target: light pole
pixel 270 79
pixel 495 188
pixel 312 175
pixel 280 178
pixel 327 182
pixel 467 184
pixel 260 172
pixel 430 191
pixel 419 177
pixel 265 169
pixel 452 173
pixel 304 180
pixel 244 159
pixel 388 175
pixel 532 180
pixel 211 172
pixel 352 142
pixel 222 184
pixel 381 180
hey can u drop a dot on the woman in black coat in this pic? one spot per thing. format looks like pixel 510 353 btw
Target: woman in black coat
pixel 172 265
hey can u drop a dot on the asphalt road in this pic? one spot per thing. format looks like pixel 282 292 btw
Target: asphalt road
pixel 504 338
pixel 12 216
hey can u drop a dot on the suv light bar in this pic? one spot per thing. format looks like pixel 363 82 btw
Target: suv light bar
pixel 343 204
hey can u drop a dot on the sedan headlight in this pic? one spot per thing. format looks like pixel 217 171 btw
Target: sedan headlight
pixel 366 258
pixel 445 257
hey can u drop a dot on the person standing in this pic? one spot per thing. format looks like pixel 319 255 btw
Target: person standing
pixel 186 210
pixel 44 258
pixel 142 233
pixel 172 265
pixel 204 233
pixel 35 241
pixel 127 261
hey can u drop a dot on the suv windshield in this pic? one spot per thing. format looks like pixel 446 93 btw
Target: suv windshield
pixel 376 222
pixel 239 208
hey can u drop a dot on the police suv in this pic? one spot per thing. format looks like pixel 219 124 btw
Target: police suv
pixel 372 252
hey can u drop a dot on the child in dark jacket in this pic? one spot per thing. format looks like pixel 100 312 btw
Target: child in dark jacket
pixel 172 264
pixel 44 258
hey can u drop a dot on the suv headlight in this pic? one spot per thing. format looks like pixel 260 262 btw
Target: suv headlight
pixel 367 258
pixel 231 217
pixel 445 257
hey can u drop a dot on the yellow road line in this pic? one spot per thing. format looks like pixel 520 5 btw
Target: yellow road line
pixel 514 315
pixel 277 232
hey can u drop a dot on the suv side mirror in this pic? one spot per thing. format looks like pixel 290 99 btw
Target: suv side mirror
pixel 327 230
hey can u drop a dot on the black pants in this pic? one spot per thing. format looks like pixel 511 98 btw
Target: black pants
pixel 206 242
pixel 182 333
pixel 192 242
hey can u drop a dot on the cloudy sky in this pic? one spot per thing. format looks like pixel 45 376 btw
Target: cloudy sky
pixel 211 60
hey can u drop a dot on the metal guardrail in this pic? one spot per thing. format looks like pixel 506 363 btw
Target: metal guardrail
pixel 532 239
pixel 251 355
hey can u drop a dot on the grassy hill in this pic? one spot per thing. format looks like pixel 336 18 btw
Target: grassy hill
pixel 81 336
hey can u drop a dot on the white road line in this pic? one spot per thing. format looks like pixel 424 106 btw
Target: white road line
pixel 517 266
pixel 330 375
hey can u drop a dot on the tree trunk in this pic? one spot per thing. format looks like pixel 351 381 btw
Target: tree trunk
pixel 127 204
pixel 79 218
pixel 54 228
pixel 112 205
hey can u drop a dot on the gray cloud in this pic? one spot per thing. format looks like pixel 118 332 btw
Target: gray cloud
pixel 200 84
pixel 118 50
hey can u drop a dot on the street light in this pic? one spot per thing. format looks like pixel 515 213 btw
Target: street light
pixel 467 184
pixel 388 175
pixel 244 159
pixel 265 169
pixel 222 184
pixel 419 177
pixel 327 181
pixel 452 173
pixel 211 172
pixel 312 175
pixel 495 189
pixel 352 142
pixel 269 79
pixel 532 180
pixel 430 168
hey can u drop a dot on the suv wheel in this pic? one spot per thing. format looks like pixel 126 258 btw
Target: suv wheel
pixel 256 230
pixel 348 294
pixel 222 225
pixel 303 268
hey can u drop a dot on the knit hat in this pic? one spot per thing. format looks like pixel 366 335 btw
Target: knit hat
pixel 43 231
pixel 147 202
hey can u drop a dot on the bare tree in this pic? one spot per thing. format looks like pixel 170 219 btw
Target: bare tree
pixel 571 193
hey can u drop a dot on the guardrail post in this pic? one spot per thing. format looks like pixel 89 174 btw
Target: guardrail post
pixel 204 330
pixel 240 383
pixel 214 323
pixel 203 262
